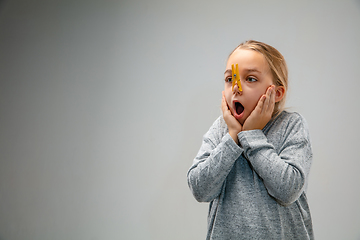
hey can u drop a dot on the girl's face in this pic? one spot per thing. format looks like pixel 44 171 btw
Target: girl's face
pixel 255 78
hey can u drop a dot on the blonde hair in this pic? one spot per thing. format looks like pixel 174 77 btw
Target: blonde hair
pixel 277 66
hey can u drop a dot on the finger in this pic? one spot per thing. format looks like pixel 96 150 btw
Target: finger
pixel 224 106
pixel 267 100
pixel 260 105
pixel 272 99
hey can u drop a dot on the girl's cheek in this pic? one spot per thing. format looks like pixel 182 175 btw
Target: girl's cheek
pixel 228 101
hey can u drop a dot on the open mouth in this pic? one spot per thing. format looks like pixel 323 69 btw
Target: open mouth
pixel 239 108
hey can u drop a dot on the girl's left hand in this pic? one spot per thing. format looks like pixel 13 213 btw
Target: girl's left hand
pixel 263 111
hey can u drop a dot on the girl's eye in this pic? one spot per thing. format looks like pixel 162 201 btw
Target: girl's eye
pixel 251 79
pixel 228 79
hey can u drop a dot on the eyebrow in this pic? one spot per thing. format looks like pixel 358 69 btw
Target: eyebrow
pixel 247 70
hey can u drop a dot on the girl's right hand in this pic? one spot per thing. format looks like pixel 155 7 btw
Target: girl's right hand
pixel 233 125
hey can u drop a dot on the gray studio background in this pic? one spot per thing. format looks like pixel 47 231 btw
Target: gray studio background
pixel 103 105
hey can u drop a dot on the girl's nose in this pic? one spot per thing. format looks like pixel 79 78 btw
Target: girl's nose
pixel 236 88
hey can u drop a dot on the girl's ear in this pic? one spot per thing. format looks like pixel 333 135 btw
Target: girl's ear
pixel 279 93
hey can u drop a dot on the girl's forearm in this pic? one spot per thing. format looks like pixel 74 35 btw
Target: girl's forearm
pixel 211 167
pixel 284 174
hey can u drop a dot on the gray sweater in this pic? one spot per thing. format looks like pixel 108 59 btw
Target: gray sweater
pixel 256 190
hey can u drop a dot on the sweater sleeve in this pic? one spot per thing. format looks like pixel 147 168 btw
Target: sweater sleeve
pixel 284 170
pixel 212 164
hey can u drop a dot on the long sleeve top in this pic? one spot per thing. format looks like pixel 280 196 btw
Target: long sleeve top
pixel 256 189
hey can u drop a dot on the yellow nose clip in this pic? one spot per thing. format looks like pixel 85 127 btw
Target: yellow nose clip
pixel 236 77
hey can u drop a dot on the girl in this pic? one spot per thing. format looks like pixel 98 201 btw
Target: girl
pixel 254 162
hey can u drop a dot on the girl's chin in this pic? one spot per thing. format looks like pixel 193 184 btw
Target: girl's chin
pixel 241 121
